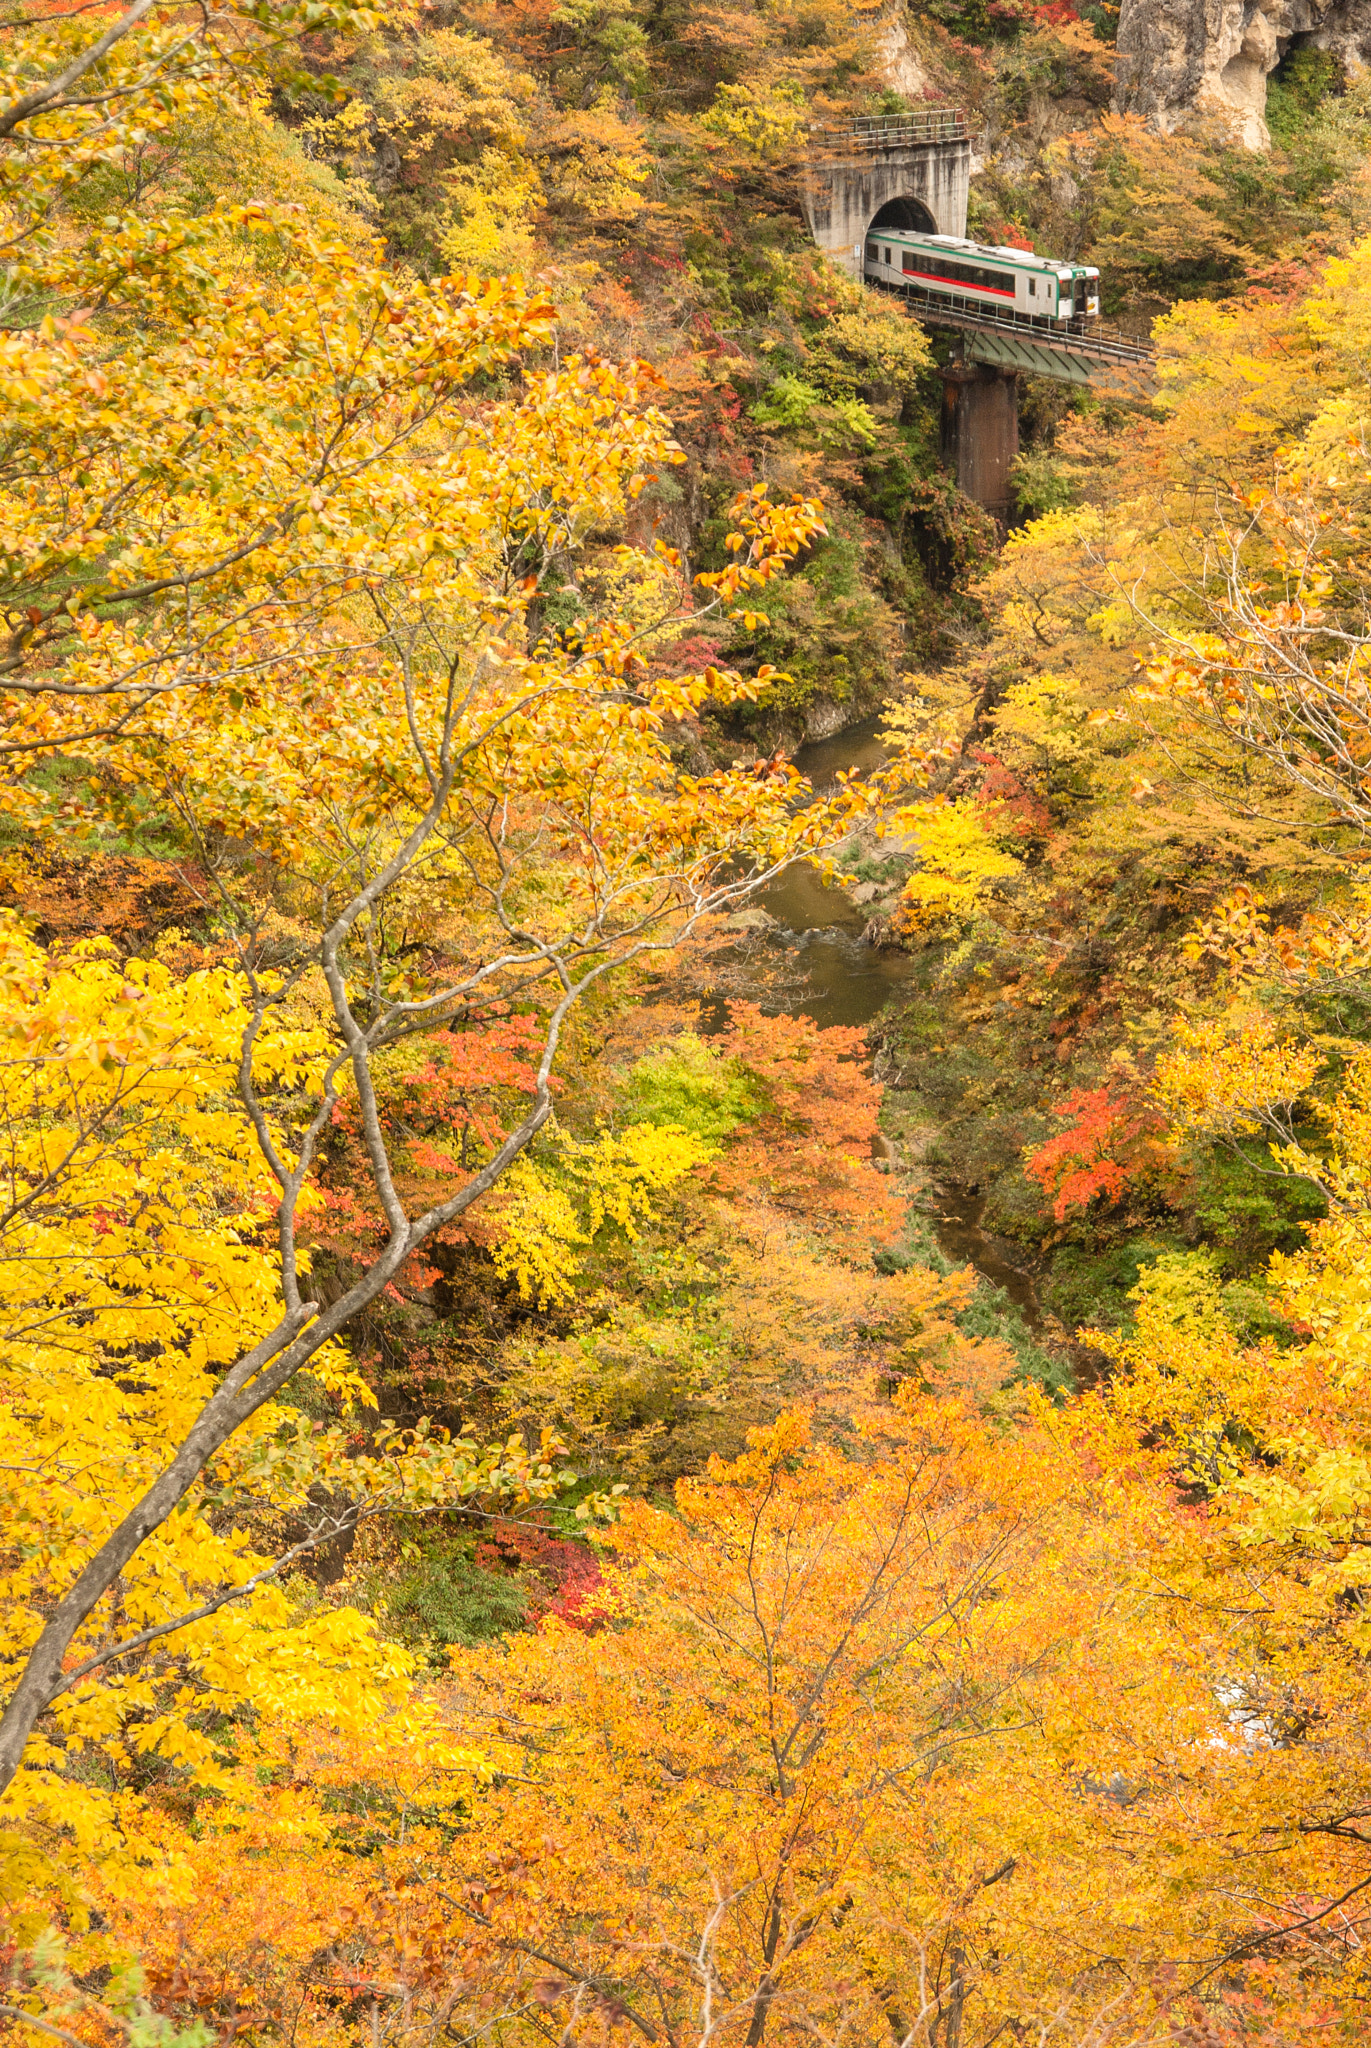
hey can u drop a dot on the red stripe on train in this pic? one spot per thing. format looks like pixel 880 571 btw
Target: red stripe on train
pixel 951 284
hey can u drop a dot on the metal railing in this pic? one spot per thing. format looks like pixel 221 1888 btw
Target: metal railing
pixel 1080 335
pixel 892 131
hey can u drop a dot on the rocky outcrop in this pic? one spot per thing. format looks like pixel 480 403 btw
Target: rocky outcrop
pixel 899 62
pixel 825 717
pixel 1183 60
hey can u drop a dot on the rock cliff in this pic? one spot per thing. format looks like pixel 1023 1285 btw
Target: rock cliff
pixel 1183 59
pixel 899 61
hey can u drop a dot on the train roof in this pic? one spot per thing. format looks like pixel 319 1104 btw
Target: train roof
pixel 981 248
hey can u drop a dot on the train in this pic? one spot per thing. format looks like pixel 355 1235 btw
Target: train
pixel 973 274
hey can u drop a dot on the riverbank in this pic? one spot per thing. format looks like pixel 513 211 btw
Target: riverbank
pixel 983 1060
pixel 802 950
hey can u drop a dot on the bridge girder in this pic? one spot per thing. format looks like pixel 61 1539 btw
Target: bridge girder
pixel 921 164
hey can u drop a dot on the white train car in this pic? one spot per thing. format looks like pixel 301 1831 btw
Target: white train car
pixel 973 274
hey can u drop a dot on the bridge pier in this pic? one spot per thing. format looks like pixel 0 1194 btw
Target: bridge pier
pixel 980 431
pixel 912 171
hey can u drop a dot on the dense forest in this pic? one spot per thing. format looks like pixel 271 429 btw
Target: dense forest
pixel 685 1128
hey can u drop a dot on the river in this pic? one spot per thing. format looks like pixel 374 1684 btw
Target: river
pixel 838 980
pixel 844 982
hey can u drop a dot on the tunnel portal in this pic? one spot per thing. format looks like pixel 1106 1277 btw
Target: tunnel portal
pixel 911 171
pixel 905 215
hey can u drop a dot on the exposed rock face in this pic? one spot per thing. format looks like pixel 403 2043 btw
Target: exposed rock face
pixel 824 719
pixel 899 62
pixel 1191 58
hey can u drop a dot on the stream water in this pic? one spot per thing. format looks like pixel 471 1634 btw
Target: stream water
pixel 843 981
pixel 839 980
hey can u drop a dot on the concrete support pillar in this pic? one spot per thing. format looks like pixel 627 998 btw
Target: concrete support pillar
pixel 980 431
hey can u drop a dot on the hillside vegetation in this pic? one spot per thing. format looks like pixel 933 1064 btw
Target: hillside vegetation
pixel 513 1528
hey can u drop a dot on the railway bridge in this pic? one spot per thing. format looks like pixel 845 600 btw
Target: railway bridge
pixel 913 172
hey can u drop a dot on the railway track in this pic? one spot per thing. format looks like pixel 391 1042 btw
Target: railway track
pixel 1076 352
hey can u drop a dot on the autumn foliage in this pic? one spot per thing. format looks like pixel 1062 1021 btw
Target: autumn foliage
pixel 1112 1142
pixel 271 584
pixel 513 1529
pixel 445 1104
pixel 807 1151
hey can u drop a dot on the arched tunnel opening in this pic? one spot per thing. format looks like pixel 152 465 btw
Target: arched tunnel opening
pixel 909 215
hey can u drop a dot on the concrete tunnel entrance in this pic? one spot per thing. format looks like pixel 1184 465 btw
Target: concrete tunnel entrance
pixel 911 170
pixel 909 216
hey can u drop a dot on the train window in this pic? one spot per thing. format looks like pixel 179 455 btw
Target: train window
pixel 958 273
pixel 887 255
pixel 872 252
pixel 1032 288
